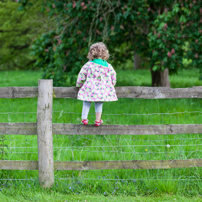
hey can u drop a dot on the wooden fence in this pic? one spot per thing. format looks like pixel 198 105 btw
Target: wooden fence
pixel 44 128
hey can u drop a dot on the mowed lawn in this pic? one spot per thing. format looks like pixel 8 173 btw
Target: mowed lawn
pixel 184 78
pixel 106 185
pixel 53 196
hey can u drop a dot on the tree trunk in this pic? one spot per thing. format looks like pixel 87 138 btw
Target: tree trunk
pixel 137 61
pixel 160 78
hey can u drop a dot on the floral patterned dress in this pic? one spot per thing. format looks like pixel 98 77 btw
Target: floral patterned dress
pixel 97 79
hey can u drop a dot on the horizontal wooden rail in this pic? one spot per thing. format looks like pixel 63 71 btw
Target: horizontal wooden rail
pixel 135 164
pixel 18 165
pixel 122 92
pixel 78 129
pixel 18 128
pixel 139 92
pixel 98 165
pixel 18 92
pixel 45 164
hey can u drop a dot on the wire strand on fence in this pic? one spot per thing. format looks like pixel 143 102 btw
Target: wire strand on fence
pixel 168 145
pixel 106 143
pixel 89 179
pixel 18 179
pixel 134 180
pixel 132 114
pixel 20 152
pixel 128 114
pixel 134 152
pixel 98 146
pixel 18 113
pixel 133 139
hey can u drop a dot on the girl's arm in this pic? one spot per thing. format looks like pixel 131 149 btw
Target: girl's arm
pixel 82 76
pixel 113 75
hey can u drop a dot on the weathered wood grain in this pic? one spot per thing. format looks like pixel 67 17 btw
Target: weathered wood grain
pixel 18 165
pixel 65 92
pixel 78 129
pixel 135 164
pixel 102 165
pixel 18 128
pixel 18 92
pixel 158 92
pixel 138 92
pixel 44 133
pixel 122 92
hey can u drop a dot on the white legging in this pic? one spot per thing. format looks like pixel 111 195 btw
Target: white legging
pixel 86 108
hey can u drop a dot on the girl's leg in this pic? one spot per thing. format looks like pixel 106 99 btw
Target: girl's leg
pixel 98 110
pixel 85 109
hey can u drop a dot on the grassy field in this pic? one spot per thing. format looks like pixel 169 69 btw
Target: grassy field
pixel 185 78
pixel 25 194
pixel 107 185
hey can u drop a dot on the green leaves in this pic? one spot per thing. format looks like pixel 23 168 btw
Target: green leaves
pixel 171 31
pixel 176 8
pixel 155 53
pixel 157 32
pixel 182 19
pixel 18 29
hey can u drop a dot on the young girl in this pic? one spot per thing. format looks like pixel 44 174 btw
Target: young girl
pixel 96 80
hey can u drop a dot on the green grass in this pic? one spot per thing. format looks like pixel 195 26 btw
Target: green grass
pixel 19 78
pixel 107 183
pixel 184 78
pixel 25 194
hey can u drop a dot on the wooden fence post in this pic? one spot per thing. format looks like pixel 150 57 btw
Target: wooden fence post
pixel 44 133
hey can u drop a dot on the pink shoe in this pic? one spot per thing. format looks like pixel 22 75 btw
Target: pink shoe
pixel 98 123
pixel 84 122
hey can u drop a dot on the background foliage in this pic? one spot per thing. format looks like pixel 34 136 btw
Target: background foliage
pixel 158 30
pixel 17 30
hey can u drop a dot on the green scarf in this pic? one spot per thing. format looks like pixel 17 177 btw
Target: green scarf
pixel 100 62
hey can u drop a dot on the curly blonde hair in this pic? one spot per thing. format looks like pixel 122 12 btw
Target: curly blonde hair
pixel 98 50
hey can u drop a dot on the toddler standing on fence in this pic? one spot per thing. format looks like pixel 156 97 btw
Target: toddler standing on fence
pixel 96 80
